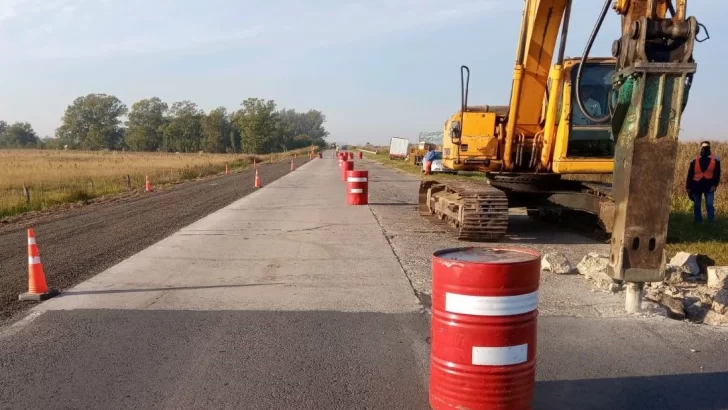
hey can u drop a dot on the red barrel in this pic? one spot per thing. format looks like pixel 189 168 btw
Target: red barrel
pixel 357 187
pixel 483 328
pixel 321 155
pixel 361 155
pixel 346 166
pixel 350 155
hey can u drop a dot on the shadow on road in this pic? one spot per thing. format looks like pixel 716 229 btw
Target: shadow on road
pixel 184 359
pixel 697 391
pixel 392 204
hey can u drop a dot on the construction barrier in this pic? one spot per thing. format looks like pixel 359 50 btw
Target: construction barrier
pixel 350 155
pixel 345 167
pixel 483 328
pixel 257 179
pixel 357 187
pixel 37 286
pixel 361 155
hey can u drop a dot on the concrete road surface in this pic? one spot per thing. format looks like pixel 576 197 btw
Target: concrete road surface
pixel 289 299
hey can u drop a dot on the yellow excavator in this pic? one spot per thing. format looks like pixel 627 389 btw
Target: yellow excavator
pixel 618 115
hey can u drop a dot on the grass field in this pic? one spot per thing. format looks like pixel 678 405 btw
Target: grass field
pixel 58 177
pixel 711 240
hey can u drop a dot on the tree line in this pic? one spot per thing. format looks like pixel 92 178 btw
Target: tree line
pixel 94 122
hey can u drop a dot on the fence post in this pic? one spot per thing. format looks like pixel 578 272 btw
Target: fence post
pixel 26 193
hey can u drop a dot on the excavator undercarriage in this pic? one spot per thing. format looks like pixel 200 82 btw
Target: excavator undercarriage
pixel 478 210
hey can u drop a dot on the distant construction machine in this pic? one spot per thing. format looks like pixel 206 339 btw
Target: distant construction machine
pixel 579 116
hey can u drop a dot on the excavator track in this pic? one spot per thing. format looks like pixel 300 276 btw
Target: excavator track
pixel 472 210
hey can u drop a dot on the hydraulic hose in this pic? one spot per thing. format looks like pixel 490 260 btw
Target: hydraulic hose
pixel 584 57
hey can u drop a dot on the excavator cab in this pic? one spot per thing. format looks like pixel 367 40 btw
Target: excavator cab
pixel 583 146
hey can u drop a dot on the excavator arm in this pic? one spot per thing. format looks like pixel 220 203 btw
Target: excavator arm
pixel 653 75
pixel 654 72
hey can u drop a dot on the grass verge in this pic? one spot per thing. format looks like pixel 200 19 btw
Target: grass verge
pixel 51 178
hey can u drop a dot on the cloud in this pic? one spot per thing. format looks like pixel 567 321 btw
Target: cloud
pixel 49 29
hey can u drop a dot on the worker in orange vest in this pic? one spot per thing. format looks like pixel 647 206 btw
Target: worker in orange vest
pixel 703 179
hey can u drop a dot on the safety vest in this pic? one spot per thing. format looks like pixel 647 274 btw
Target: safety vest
pixel 708 173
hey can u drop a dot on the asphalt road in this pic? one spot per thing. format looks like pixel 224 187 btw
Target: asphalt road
pixel 285 299
pixel 77 244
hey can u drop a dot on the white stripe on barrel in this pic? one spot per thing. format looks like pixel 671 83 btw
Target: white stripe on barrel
pixel 356 191
pixel 491 305
pixel 355 179
pixel 33 260
pixel 500 356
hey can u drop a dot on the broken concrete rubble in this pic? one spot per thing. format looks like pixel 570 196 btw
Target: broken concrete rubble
pixel 594 268
pixel 720 302
pixel 715 319
pixel 688 262
pixel 557 263
pixel 704 262
pixel 674 308
pixel 675 274
pixel 593 262
pixel 695 311
pixel 718 277
pixel 604 281
pixel 684 292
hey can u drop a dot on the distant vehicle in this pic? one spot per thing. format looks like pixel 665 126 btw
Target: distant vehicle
pixel 398 148
pixel 437 165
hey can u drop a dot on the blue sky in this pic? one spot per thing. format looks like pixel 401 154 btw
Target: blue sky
pixel 376 68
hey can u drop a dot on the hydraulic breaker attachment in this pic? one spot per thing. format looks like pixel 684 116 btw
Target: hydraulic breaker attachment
pixel 654 72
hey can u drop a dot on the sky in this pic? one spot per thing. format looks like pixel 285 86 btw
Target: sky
pixel 375 68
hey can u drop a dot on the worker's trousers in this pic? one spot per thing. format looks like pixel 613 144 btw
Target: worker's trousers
pixel 698 206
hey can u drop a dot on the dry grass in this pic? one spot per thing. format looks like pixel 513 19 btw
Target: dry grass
pixel 683 235
pixel 57 177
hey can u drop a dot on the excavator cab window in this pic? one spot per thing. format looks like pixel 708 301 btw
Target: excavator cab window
pixel 588 139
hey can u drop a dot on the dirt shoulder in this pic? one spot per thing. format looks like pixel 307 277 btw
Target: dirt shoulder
pixel 77 242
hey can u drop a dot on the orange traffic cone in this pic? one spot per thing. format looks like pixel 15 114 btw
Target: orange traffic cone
pixel 227 171
pixel 257 179
pixel 292 166
pixel 148 185
pixel 37 286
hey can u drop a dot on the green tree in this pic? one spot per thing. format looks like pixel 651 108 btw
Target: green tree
pixel 92 122
pixel 292 124
pixel 144 128
pixel 51 143
pixel 313 124
pixel 216 131
pixel 302 141
pixel 257 123
pixel 18 135
pixel 183 131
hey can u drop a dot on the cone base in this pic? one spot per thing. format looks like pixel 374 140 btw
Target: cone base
pixel 38 297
